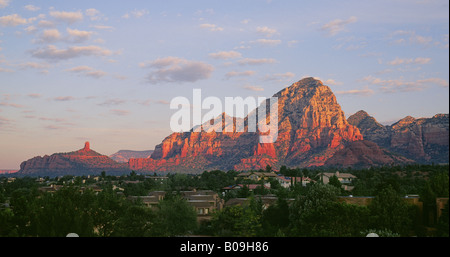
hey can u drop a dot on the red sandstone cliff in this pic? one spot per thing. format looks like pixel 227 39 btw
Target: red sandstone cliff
pixel 81 162
pixel 311 128
pixel 423 140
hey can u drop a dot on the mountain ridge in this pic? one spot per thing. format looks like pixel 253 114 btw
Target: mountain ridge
pixel 312 132
pixel 424 140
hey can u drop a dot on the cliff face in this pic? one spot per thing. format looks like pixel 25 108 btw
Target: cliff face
pixel 311 128
pixel 312 131
pixel 424 140
pixel 364 154
pixel 82 162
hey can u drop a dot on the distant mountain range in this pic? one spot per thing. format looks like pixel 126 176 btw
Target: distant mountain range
pixel 123 156
pixel 312 132
pixel 82 162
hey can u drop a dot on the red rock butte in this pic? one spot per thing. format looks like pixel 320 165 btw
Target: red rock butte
pixel 87 146
pixel 311 128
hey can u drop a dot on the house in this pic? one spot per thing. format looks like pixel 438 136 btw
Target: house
pixel 205 202
pixel 256 176
pixel 287 181
pixel 150 201
pixel 250 187
pixel 344 178
pixel 156 178
pixel 50 189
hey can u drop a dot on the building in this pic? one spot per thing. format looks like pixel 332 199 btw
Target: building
pixel 286 182
pixel 205 202
pixel 344 178
pixel 256 176
pixel 151 200
pixel 250 187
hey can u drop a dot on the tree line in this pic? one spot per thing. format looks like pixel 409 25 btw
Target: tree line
pixel 299 211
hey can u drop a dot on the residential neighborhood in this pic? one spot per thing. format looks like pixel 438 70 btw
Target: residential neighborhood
pixel 271 198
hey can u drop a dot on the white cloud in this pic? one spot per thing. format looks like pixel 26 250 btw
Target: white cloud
pixel 418 60
pixel 175 69
pixel 399 85
pixel 48 36
pixel 411 36
pixel 12 20
pixel 92 13
pixel 31 8
pixel 30 29
pixel 102 27
pixel 335 26
pixel 250 61
pixel 267 42
pixel 136 13
pixel 69 17
pixel 211 27
pixel 51 52
pixel 358 92
pixel 225 55
pixel 34 65
pixel 254 88
pixel 34 95
pixel 292 43
pixel 279 76
pixel 4 3
pixel 112 102
pixel 120 112
pixel 78 36
pixel 232 74
pixel 332 82
pixel 64 98
pixel 5 70
pixel 268 32
pixel 436 81
pixel 45 24
pixel 88 71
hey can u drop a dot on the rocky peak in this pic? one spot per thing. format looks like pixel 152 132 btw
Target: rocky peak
pixel 364 121
pixel 310 104
pixel 440 116
pixel 87 146
pixel 422 140
pixel 403 122
pixel 358 117
pixel 83 161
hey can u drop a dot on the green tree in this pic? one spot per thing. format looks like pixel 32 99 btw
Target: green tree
pixel 319 214
pixel 23 204
pixel 241 221
pixel 175 217
pixel 66 211
pixel 137 221
pixel 275 218
pixel 108 209
pixel 390 211
pixel 334 181
pixel 7 227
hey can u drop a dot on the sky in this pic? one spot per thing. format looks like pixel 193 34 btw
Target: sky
pixel 106 71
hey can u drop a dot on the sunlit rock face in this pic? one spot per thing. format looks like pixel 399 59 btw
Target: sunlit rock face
pixel 82 162
pixel 424 140
pixel 311 128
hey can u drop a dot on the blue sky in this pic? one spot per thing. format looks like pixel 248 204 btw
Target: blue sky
pixel 105 71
